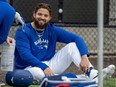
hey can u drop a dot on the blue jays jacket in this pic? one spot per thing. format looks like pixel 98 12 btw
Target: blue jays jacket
pixel 29 52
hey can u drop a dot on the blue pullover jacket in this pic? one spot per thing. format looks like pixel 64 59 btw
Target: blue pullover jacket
pixel 29 52
pixel 7 14
pixel 3 0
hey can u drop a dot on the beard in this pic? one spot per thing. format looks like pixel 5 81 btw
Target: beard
pixel 38 25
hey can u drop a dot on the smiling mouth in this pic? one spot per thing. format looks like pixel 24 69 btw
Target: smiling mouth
pixel 41 22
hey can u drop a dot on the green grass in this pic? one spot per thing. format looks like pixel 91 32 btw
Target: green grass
pixel 109 83
pixel 34 86
pixel 29 86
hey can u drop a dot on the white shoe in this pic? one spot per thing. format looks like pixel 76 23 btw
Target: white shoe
pixel 94 75
pixel 107 73
pixel 2 84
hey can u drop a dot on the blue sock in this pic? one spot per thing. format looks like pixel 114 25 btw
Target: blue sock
pixel 88 72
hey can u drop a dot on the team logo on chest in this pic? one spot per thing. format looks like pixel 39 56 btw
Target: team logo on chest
pixel 41 43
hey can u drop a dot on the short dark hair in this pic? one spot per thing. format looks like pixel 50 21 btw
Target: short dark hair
pixel 44 5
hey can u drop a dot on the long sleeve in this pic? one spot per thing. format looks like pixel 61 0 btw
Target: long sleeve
pixel 67 37
pixel 23 47
pixel 7 14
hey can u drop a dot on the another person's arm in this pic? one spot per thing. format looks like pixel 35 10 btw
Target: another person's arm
pixel 7 14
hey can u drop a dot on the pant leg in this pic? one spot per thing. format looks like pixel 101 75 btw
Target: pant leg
pixel 36 72
pixel 60 62
pixel 64 57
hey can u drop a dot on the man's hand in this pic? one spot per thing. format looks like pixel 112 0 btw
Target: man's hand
pixel 84 65
pixel 48 72
pixel 10 40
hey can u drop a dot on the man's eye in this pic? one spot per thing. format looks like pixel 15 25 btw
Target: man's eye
pixel 39 14
pixel 46 15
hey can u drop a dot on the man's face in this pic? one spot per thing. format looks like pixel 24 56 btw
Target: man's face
pixel 41 18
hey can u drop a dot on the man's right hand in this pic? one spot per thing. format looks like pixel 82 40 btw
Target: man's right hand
pixel 48 72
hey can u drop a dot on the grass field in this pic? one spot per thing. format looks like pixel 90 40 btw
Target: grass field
pixel 109 83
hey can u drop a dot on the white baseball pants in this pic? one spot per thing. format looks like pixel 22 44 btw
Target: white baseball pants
pixel 60 62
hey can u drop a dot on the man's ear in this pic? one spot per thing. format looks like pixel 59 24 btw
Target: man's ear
pixel 33 14
pixel 50 18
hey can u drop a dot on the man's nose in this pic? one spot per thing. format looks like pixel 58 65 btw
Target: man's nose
pixel 42 17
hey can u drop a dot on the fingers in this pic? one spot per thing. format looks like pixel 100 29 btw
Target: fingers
pixel 84 64
pixel 48 72
pixel 85 68
pixel 88 69
pixel 10 40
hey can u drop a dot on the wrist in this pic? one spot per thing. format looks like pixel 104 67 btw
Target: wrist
pixel 84 57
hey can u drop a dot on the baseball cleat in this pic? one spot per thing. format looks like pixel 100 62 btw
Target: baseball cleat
pixel 107 73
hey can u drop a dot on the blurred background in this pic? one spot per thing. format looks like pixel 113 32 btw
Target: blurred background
pixel 79 17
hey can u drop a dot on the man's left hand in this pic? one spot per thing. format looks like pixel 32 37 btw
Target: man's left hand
pixel 85 64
